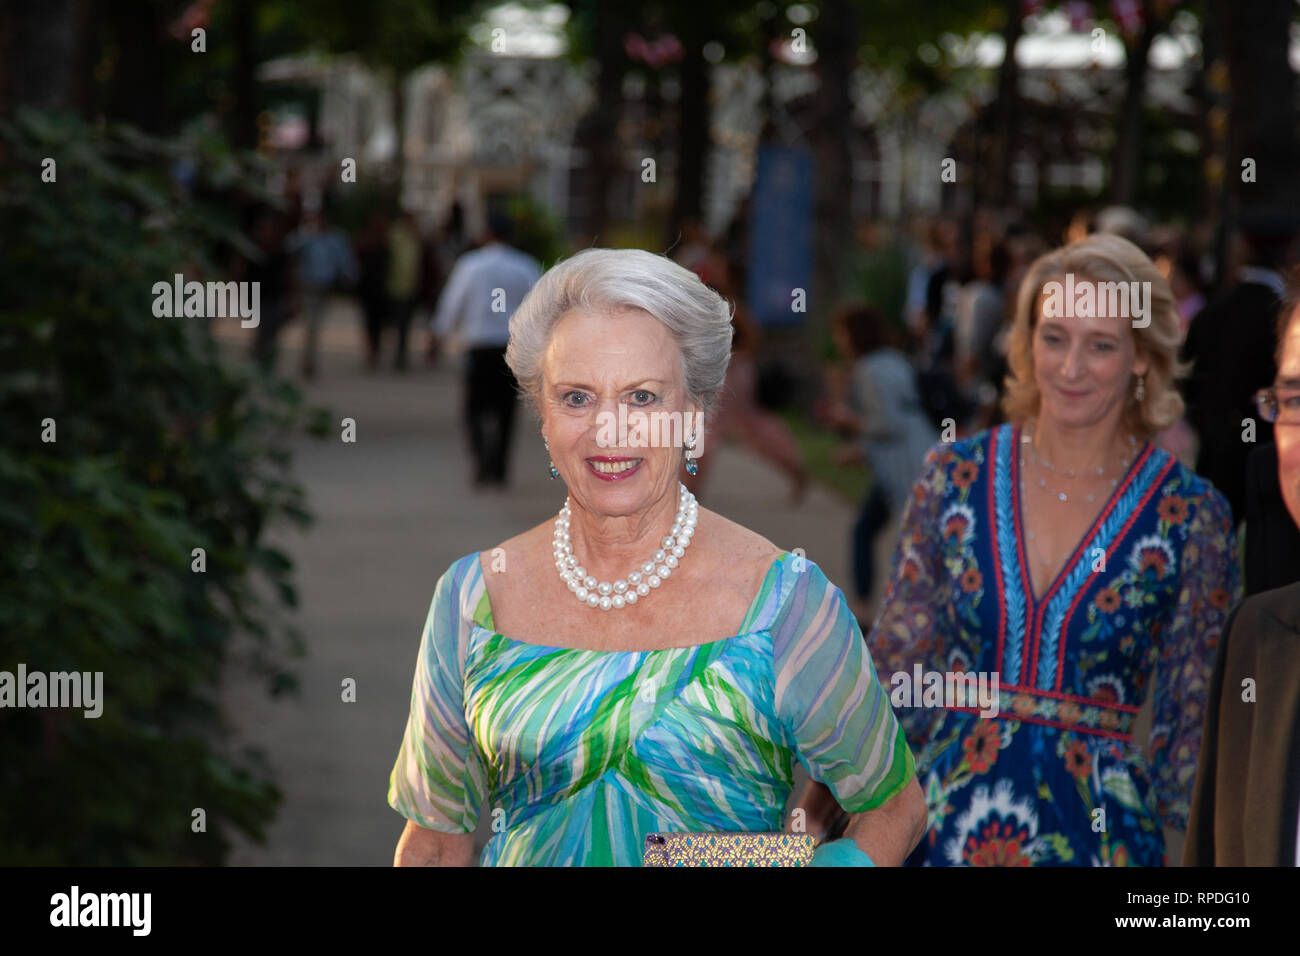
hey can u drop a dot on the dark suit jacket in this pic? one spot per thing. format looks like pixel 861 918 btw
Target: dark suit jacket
pixel 1272 538
pixel 1247 794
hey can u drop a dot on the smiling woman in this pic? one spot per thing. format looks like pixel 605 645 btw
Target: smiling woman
pixel 646 666
pixel 1071 557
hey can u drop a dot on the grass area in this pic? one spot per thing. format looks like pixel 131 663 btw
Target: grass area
pixel 849 482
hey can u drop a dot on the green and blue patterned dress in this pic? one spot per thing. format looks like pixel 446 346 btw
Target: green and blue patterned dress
pixel 578 754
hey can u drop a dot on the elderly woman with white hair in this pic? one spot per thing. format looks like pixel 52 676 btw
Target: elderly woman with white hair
pixel 1069 559
pixel 638 664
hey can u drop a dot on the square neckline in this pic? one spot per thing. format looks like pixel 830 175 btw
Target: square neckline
pixel 487 601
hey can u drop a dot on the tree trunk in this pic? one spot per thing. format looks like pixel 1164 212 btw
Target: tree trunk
pixel 597 134
pixel 836 45
pixel 1004 148
pixel 693 131
pixel 1261 105
pixel 41 62
pixel 1127 158
pixel 242 122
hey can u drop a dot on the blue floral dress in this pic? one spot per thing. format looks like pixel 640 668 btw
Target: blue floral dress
pixel 1056 777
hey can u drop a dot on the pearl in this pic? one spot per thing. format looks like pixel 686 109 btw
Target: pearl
pixel 618 594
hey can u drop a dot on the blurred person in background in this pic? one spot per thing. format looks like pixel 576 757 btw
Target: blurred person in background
pixel 273 270
pixel 739 414
pixel 372 261
pixel 1071 560
pixel 981 307
pixel 482 292
pixel 326 265
pixel 1230 345
pixel 1246 807
pixel 884 413
pixel 1181 272
pixel 402 283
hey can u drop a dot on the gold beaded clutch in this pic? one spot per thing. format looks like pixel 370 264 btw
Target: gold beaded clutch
pixel 728 849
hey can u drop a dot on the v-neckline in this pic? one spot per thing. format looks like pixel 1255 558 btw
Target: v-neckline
pixel 1022 549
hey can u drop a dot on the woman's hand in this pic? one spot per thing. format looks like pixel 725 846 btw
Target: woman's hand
pixel 887 834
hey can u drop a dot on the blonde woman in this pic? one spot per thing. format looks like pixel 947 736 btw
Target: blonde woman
pixel 1071 560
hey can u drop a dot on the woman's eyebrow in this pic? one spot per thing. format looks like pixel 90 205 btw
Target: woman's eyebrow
pixel 592 388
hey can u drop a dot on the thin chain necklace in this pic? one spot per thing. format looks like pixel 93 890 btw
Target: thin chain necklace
pixel 1027 440
pixel 612 596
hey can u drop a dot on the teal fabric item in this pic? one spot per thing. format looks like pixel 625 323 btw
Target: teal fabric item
pixel 840 853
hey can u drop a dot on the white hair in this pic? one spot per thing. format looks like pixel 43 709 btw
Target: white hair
pixel 612 280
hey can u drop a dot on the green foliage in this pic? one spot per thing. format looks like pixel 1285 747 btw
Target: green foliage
pixel 162 446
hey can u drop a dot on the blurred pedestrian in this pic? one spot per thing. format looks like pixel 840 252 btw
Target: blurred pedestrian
pixel 740 414
pixel 1230 346
pixel 884 413
pixel 325 265
pixel 272 269
pixel 403 281
pixel 485 287
pixel 372 259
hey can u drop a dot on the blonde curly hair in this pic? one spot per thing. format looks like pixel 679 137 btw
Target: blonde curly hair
pixel 1102 258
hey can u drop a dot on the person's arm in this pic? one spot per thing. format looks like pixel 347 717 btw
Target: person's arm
pixel 890 832
pixel 1208 588
pixel 438 781
pixel 917 606
pixel 840 720
pixel 420 847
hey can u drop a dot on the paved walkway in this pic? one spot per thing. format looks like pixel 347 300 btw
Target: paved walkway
pixel 392 512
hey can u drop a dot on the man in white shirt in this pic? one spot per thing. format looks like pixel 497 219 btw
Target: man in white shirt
pixel 485 287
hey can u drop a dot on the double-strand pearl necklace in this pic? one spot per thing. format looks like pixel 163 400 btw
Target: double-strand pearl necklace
pixel 611 596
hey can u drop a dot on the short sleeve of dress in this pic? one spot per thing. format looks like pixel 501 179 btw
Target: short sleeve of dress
pixel 1209 587
pixel 438 780
pixel 828 698
pixel 907 631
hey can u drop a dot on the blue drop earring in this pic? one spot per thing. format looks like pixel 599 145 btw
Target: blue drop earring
pixel 555 472
pixel 692 466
